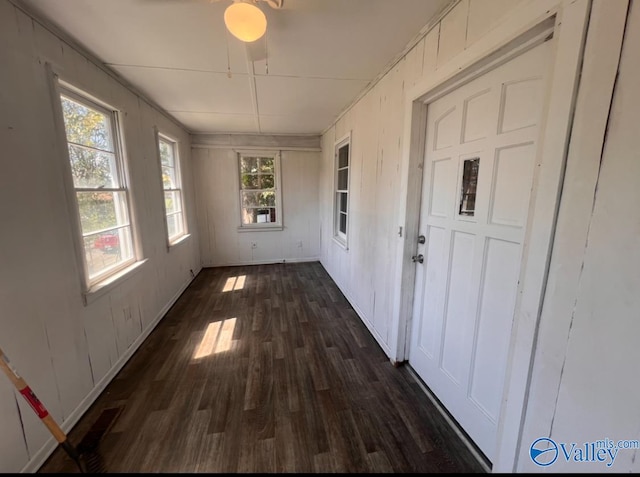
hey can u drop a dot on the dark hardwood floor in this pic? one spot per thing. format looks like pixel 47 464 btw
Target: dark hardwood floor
pixel 276 375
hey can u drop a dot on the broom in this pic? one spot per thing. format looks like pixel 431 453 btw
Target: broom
pixel 86 455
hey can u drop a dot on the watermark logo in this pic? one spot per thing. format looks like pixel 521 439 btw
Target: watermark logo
pixel 545 451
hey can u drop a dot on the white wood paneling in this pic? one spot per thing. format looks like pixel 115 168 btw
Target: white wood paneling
pixel 430 54
pixel 65 350
pixel 217 196
pixel 485 15
pixel 602 351
pixel 13 449
pixel 274 124
pixel 414 63
pixel 453 32
pixel 258 141
pixel 581 380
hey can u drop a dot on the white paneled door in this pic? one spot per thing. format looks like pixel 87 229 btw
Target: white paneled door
pixel 478 181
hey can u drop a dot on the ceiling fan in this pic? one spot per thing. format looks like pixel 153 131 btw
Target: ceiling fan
pixel 245 20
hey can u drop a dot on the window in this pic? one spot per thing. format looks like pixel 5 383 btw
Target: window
pixel 172 184
pixel 102 198
pixel 341 206
pixel 470 168
pixel 260 204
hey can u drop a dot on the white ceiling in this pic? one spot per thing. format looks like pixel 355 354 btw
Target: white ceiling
pixel 321 54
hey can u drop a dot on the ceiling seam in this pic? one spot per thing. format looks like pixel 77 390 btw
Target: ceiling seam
pixel 194 70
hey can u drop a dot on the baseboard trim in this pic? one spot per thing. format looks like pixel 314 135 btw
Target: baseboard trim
pixel 40 457
pixel 360 314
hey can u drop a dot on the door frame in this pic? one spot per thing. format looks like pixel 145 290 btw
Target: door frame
pixel 524 28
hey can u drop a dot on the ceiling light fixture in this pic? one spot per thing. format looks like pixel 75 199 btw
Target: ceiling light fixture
pixel 245 21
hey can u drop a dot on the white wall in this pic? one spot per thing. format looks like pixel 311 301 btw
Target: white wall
pixel 364 272
pixel 585 384
pixel 217 197
pixel 65 350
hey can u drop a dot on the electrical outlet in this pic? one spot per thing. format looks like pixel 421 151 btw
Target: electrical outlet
pixel 254 244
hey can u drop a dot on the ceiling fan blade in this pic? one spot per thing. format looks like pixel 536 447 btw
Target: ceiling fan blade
pixel 277 4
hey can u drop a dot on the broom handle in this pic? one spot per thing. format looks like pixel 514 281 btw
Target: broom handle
pixel 24 389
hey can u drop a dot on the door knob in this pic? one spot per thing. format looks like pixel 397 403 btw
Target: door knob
pixel 418 258
pixel 421 239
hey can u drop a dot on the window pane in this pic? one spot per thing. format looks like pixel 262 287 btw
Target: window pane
pixel 250 181
pixel 266 164
pixel 249 216
pixel 169 179
pixel 258 215
pixel 267 182
pixel 108 249
pixel 469 184
pixel 343 223
pixel 172 201
pixel 259 199
pixel 175 225
pixel 249 164
pixel 167 154
pixel 102 210
pixel 264 216
pixel 343 201
pixel 92 169
pixel 343 156
pixel 86 126
pixel 343 179
pixel 250 199
pixel 268 199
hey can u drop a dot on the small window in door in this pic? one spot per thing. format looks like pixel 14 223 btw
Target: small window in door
pixel 470 168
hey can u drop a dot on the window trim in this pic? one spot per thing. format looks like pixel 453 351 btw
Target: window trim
pixel 339 237
pixel 160 136
pixel 96 286
pixel 268 226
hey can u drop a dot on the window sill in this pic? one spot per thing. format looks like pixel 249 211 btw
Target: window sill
pixel 341 243
pixel 178 241
pixel 108 284
pixel 261 228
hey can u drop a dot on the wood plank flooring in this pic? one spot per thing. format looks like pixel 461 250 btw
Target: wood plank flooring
pixel 276 374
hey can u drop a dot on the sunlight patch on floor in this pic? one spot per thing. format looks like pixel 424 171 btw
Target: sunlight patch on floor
pixel 234 283
pixel 218 337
